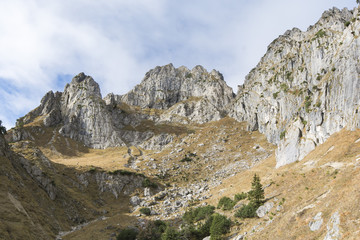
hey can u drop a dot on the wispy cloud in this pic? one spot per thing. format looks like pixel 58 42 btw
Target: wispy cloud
pixel 44 43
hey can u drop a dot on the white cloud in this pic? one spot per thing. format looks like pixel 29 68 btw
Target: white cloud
pixel 117 42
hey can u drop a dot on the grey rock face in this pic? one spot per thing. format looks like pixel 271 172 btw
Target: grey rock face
pixel 316 223
pixel 40 177
pixel 135 201
pixel 264 209
pixel 117 183
pixel 306 86
pixel 239 237
pixel 163 87
pixel 85 115
pixel 333 231
pixel 182 95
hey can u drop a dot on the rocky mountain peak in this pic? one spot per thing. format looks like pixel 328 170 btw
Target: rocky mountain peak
pixel 82 85
pixel 163 87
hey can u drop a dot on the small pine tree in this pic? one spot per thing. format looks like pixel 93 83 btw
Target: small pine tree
pixel 358 1
pixel 256 195
pixel 2 129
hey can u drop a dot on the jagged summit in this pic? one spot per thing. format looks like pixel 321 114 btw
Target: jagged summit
pixel 163 87
pixel 86 83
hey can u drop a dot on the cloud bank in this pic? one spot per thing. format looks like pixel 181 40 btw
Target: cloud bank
pixel 43 44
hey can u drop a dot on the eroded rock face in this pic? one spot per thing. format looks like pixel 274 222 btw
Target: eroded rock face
pixel 85 115
pixel 306 86
pixel 163 87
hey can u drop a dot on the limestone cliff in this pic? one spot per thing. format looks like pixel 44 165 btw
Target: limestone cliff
pixel 163 87
pixel 306 86
pixel 186 95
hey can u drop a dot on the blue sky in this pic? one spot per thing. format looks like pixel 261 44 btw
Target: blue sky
pixel 43 44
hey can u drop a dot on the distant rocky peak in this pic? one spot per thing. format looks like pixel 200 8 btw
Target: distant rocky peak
pixel 164 86
pixel 333 19
pixel 79 78
pixel 82 85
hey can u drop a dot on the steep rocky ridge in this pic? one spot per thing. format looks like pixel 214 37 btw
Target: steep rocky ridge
pixel 167 96
pixel 305 88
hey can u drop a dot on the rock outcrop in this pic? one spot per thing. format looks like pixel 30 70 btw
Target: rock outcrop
pixel 85 115
pixel 306 86
pixel 163 87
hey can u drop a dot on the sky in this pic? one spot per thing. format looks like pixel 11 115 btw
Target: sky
pixel 43 44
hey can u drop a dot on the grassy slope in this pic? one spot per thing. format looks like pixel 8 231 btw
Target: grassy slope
pixel 325 181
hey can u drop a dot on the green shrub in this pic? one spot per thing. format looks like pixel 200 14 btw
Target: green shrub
pixel 186 159
pixel 321 33
pixel 240 196
pixel 147 183
pixel 188 75
pixel 284 87
pixel 146 211
pixel 304 122
pixel 121 172
pixel 189 231
pixel 20 123
pixel 219 226
pixel 307 103
pixel 127 234
pixel 282 134
pixel 275 95
pixel 226 203
pixel 347 23
pixel 333 69
pixel 197 214
pixel 92 169
pixel 318 104
pixel 170 234
pixel 204 229
pixel 289 76
pixel 247 211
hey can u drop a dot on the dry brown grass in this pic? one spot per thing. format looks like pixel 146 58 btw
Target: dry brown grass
pixel 109 159
pixel 216 144
pixel 328 178
pixel 315 180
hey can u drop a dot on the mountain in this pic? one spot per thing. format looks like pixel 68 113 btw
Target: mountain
pixel 181 138
pixel 305 88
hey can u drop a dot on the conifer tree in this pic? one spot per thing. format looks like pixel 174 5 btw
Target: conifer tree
pixel 256 195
